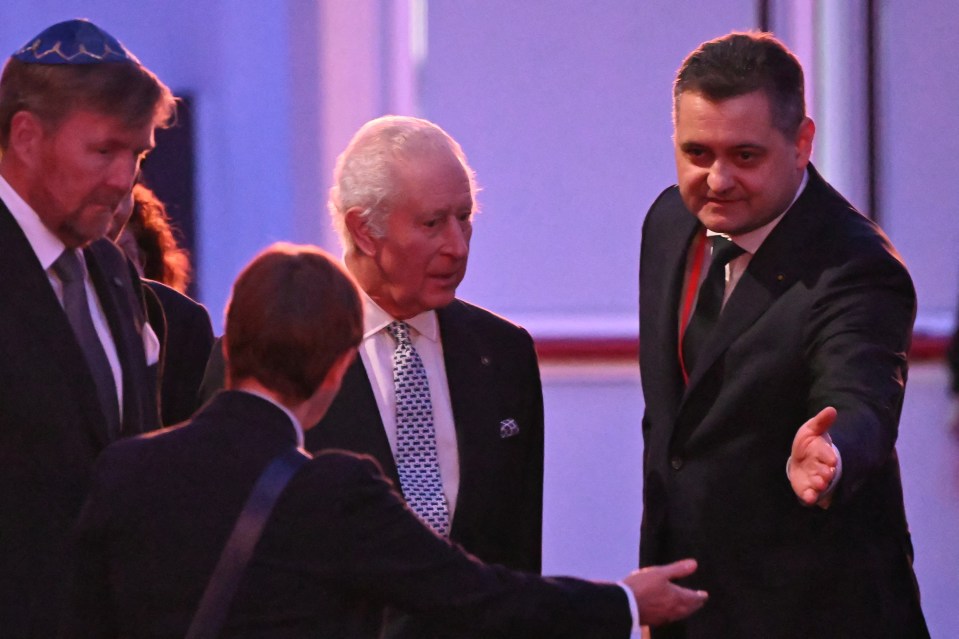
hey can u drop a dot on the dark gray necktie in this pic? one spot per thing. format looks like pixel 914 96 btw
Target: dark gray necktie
pixel 70 271
pixel 710 300
pixel 416 459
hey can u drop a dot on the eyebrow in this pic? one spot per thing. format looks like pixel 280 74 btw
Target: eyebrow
pixel 685 146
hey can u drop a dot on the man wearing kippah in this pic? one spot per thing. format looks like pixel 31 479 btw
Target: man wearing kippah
pixel 77 115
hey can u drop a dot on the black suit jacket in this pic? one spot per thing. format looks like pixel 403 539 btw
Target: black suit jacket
pixel 493 375
pixel 51 424
pixel 186 337
pixel 821 317
pixel 339 545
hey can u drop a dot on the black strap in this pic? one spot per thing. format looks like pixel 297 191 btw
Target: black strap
pixel 222 586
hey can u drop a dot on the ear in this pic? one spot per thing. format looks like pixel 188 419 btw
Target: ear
pixel 359 230
pixel 26 133
pixel 804 137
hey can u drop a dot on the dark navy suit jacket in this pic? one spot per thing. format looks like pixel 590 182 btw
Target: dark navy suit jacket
pixel 339 546
pixel 186 338
pixel 51 424
pixel 822 316
pixel 493 377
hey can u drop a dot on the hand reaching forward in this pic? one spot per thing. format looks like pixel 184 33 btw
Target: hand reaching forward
pixel 812 463
pixel 661 601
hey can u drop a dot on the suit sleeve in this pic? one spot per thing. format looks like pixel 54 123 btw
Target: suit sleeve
pixel 858 336
pixel 532 534
pixel 380 551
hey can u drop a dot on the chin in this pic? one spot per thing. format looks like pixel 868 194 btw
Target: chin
pixel 439 300
pixel 713 222
pixel 725 221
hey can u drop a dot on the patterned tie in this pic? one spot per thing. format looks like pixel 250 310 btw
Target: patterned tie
pixel 70 271
pixel 416 460
pixel 710 301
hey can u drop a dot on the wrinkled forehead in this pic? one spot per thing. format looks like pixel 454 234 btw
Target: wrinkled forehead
pixel 437 172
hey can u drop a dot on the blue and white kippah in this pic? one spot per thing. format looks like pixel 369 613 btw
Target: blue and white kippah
pixel 74 42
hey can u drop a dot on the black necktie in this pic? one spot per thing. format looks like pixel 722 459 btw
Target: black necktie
pixel 710 301
pixel 70 271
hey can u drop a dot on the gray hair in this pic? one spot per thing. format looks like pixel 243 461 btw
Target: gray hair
pixel 364 176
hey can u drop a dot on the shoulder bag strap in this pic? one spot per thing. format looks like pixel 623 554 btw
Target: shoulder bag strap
pixel 222 586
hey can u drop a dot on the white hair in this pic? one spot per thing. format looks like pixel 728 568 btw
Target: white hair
pixel 364 173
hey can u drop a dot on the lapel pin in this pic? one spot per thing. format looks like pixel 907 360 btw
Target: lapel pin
pixel 484 360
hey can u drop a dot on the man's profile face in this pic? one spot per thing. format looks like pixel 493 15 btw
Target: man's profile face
pixel 736 171
pixel 85 167
pixel 422 257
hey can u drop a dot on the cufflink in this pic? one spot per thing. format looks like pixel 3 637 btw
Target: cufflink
pixel 508 428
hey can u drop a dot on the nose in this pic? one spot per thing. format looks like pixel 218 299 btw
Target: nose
pixel 457 243
pixel 720 177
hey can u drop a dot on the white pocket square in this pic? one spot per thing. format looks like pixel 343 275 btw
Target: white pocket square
pixel 508 428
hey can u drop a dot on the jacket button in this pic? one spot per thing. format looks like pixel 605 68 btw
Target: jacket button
pixel 676 462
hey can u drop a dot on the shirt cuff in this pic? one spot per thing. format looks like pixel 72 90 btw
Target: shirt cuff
pixel 635 631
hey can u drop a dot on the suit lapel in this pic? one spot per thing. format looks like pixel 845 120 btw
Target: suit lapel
pixel 665 257
pixel 353 422
pixel 753 295
pixel 125 318
pixel 776 266
pixel 469 378
pixel 39 318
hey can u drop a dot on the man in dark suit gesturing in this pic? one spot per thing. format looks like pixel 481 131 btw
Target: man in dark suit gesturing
pixel 77 114
pixel 773 369
pixel 340 542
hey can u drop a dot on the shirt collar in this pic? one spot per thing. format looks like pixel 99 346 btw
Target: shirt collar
pixel 751 241
pixel 296 423
pixel 45 244
pixel 375 319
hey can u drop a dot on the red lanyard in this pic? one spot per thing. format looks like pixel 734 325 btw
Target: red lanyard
pixel 692 285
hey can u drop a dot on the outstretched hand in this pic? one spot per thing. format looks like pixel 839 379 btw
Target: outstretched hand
pixel 812 463
pixel 661 601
